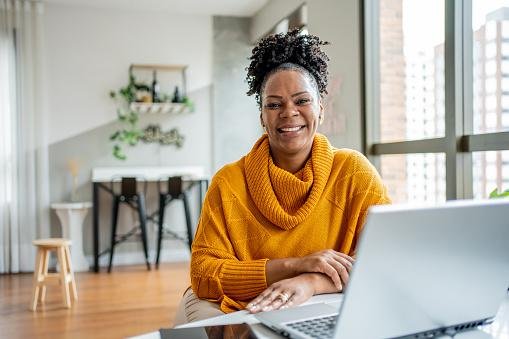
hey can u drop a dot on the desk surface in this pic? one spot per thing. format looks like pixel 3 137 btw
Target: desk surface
pixel 499 329
pixel 149 173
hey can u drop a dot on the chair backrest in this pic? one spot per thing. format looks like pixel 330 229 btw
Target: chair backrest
pixel 175 186
pixel 128 186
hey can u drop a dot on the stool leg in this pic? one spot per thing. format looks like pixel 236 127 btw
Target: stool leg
pixel 71 273
pixel 188 221
pixel 63 276
pixel 114 220
pixel 37 273
pixel 143 218
pixel 45 260
pixel 162 205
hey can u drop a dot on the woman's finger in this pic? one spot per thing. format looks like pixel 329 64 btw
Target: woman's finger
pixel 331 271
pixel 274 305
pixel 345 256
pixel 258 301
pixel 342 272
pixel 267 299
pixel 344 260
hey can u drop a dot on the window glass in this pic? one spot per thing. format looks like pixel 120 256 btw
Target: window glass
pixel 490 171
pixel 490 26
pixel 414 177
pixel 411 69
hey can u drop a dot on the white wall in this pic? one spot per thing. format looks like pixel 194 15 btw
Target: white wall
pixel 89 51
pixel 236 122
pixel 337 22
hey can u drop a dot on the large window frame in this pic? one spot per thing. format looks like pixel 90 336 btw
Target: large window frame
pixel 459 141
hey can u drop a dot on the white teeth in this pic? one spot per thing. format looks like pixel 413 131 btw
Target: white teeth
pixel 290 129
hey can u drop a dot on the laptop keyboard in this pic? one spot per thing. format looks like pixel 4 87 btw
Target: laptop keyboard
pixel 316 328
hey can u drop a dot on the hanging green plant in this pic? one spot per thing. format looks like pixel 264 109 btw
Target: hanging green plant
pixel 130 133
pixel 136 98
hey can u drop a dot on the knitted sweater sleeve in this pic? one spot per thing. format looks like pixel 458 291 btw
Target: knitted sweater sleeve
pixel 367 189
pixel 216 272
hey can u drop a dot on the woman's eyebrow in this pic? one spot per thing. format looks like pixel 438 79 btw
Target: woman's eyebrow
pixel 299 93
pixel 280 97
pixel 274 96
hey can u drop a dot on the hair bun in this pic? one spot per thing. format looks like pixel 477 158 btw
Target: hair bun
pixel 292 47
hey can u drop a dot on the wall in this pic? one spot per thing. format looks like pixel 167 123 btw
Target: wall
pixel 236 122
pixel 336 22
pixel 88 52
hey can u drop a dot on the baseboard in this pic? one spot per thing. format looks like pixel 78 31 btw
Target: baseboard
pixel 134 258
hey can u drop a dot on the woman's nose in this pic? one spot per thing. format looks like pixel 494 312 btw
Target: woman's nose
pixel 289 110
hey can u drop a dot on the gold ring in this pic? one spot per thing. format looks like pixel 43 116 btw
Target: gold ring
pixel 283 296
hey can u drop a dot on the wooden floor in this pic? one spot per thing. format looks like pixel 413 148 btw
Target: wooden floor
pixel 129 301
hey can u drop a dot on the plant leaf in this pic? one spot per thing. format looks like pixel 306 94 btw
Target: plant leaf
pixel 117 153
pixel 114 135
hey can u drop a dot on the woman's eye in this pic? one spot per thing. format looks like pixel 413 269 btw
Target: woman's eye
pixel 303 101
pixel 272 105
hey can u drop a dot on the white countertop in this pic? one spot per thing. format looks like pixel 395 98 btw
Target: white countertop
pixel 148 173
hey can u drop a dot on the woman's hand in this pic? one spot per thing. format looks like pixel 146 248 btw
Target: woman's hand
pixel 336 265
pixel 283 294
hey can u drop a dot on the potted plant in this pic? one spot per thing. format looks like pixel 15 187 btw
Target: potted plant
pixel 495 194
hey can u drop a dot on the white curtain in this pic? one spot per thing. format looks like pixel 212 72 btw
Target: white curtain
pixel 24 189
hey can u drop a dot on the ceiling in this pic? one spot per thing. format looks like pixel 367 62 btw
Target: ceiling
pixel 243 8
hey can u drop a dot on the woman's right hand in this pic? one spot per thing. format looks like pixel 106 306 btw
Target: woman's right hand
pixel 335 265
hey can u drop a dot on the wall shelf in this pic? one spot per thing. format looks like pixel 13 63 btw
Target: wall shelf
pixel 160 107
pixel 164 68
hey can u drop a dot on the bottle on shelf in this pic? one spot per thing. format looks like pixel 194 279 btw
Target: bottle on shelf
pixel 155 88
pixel 176 95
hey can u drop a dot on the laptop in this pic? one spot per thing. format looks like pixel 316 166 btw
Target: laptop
pixel 420 272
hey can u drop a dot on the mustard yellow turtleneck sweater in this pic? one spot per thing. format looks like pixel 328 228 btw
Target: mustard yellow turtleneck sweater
pixel 255 211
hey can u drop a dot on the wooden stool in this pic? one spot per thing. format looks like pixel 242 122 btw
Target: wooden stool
pixel 41 275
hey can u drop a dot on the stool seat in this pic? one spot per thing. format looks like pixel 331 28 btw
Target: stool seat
pixel 41 276
pixel 52 242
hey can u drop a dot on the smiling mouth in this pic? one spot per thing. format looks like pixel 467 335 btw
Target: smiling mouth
pixel 290 129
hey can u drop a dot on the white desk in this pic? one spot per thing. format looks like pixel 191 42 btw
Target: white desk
pixel 102 175
pixel 499 329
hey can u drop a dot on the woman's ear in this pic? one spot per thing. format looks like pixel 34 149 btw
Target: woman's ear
pixel 322 113
pixel 261 121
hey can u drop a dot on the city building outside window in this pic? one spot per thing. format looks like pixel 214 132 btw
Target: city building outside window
pixel 437 118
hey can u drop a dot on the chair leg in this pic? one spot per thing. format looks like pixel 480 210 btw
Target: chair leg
pixel 63 276
pixel 188 221
pixel 71 273
pixel 114 219
pixel 143 219
pixel 162 205
pixel 37 273
pixel 45 261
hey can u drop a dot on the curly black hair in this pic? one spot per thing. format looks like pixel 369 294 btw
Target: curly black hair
pixel 301 50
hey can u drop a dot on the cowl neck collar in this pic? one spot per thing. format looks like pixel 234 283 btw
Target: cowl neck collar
pixel 284 198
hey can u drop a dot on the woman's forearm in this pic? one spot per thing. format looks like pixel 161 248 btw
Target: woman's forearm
pixel 279 269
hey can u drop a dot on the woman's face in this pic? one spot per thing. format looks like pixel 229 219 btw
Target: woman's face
pixel 290 113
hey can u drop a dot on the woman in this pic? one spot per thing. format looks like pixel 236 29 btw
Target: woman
pixel 282 223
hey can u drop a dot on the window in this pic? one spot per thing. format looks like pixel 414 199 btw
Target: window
pixel 437 96
pixel 418 177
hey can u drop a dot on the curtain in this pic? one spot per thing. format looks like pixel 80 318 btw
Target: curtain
pixel 24 190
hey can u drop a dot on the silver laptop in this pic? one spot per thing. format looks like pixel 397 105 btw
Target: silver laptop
pixel 420 271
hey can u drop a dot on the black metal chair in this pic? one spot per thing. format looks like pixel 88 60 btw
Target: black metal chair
pixel 130 195
pixel 175 191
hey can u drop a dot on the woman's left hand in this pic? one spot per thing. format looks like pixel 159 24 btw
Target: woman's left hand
pixel 283 294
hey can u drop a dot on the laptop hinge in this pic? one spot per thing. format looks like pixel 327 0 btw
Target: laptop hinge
pixel 449 330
